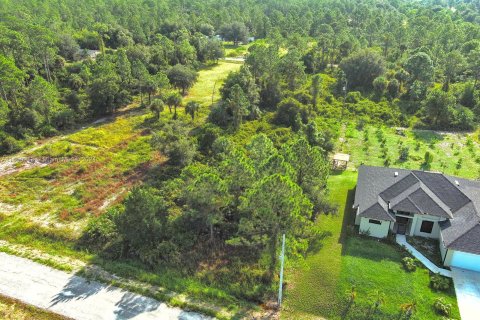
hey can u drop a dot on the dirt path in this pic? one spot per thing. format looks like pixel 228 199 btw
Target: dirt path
pixel 22 160
pixel 76 297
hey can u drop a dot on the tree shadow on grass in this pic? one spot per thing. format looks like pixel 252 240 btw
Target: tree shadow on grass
pixel 348 217
pixel 364 246
pixel 427 136
pixel 317 244
pixel 336 172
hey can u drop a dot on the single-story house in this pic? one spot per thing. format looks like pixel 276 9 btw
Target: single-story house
pixel 424 204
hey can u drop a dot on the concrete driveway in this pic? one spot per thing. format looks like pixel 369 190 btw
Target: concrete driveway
pixel 78 298
pixel 467 288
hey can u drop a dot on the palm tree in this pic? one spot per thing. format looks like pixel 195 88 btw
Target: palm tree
pixel 174 100
pixel 157 106
pixel 379 299
pixel 351 295
pixel 408 309
pixel 191 108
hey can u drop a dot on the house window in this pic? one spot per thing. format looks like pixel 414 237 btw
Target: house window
pixel 374 221
pixel 426 227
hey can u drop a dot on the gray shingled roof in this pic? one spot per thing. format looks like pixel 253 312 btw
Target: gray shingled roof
pixel 399 187
pixel 427 205
pixel 407 205
pixel 423 192
pixel 377 212
pixel 443 188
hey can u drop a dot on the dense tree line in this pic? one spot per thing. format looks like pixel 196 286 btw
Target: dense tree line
pixel 50 81
pixel 398 48
pixel 389 75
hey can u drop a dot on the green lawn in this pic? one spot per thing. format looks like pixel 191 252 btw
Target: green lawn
pixel 312 289
pixel 318 288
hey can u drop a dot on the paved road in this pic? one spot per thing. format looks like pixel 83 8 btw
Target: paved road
pixel 467 288
pixel 77 298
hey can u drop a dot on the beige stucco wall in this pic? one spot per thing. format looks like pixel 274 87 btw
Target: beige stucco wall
pixel 417 224
pixel 374 230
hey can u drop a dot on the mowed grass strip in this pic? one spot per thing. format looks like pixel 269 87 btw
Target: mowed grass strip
pixel 210 80
pixel 312 288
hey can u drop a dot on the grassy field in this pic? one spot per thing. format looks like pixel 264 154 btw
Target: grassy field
pixel 319 287
pixel 208 85
pixel 453 153
pixel 233 51
pixel 11 309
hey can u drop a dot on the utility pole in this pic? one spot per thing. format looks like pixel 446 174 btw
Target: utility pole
pixel 282 260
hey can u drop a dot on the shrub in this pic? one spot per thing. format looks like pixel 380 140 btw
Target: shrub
pixel 409 264
pixel 439 283
pixel 387 162
pixel 428 158
pixel 353 97
pixel 288 112
pixel 8 145
pixel 173 141
pixel 64 119
pixel 441 307
pixel 365 135
pixel 404 153
pixel 48 131
pixel 100 231
pixel 380 135
pixel 459 163
pixel 361 123
pixel 218 115
pixel 329 98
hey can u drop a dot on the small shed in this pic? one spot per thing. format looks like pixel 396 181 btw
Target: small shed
pixel 340 161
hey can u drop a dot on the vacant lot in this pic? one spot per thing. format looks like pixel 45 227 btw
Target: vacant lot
pixel 61 184
pixel 46 204
pixel 342 260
